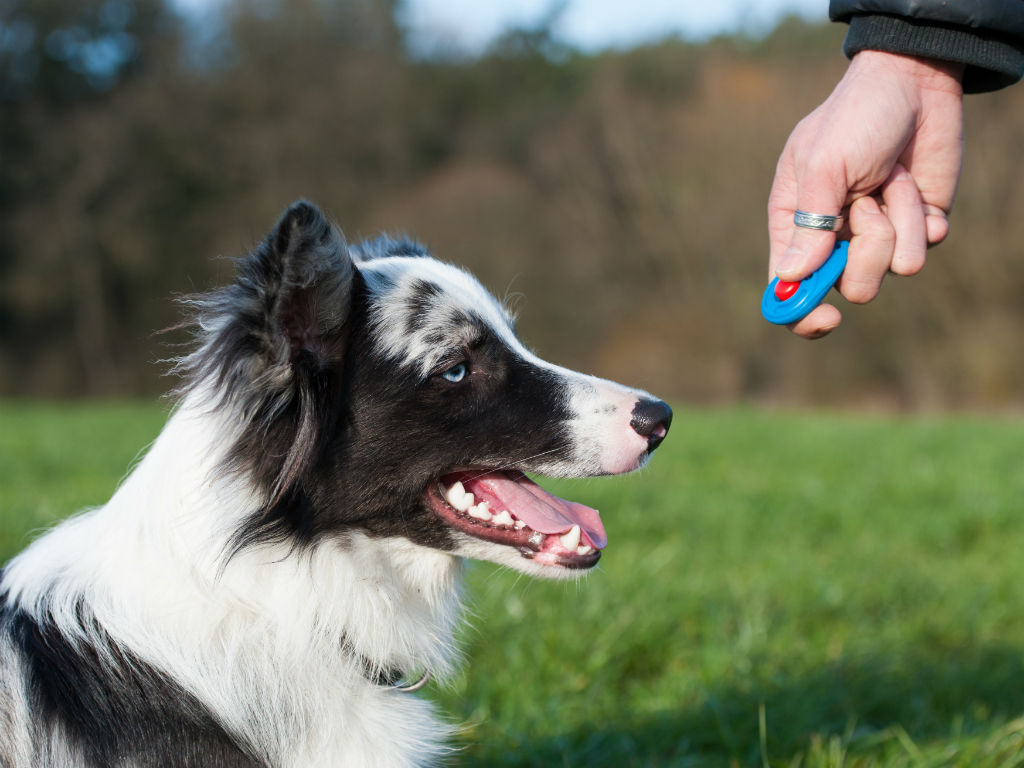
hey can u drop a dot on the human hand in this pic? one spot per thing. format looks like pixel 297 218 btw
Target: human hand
pixel 885 149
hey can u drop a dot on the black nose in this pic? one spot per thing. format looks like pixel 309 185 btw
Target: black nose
pixel 651 419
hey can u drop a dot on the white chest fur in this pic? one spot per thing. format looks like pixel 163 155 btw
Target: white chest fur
pixel 279 645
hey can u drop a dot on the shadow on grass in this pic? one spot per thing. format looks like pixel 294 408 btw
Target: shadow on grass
pixel 930 696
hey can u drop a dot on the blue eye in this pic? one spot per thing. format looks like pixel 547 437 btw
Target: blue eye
pixel 455 374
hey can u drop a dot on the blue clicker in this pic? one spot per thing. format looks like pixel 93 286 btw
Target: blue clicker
pixel 810 293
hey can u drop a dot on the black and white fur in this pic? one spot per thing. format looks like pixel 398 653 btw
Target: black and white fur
pixel 277 558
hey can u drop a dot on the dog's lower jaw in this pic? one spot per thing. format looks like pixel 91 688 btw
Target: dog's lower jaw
pixel 477 549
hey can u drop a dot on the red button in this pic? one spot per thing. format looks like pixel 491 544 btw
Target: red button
pixel 784 290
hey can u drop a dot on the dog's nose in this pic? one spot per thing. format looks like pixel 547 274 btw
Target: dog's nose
pixel 651 419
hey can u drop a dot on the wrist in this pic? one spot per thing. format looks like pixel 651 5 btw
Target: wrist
pixel 927 73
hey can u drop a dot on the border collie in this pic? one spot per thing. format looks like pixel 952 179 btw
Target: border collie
pixel 354 421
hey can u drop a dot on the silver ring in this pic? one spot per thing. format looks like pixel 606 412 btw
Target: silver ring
pixel 817 221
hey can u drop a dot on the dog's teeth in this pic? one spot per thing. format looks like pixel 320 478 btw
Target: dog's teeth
pixel 458 498
pixel 480 511
pixel 503 518
pixel 571 540
pixel 454 494
pixel 520 525
pixel 584 549
pixel 463 502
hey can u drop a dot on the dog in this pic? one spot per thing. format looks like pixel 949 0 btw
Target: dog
pixel 267 583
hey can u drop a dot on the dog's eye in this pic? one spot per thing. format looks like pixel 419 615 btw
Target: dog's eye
pixel 456 373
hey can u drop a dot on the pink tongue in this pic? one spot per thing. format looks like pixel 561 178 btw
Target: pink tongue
pixel 536 507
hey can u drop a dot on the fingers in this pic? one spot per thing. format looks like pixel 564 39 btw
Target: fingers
pixel 821 321
pixel 872 245
pixel 893 238
pixel 796 252
pixel 871 251
pixel 935 158
pixel 824 193
pixel 936 224
pixel 907 213
pixel 808 249
pixel 781 204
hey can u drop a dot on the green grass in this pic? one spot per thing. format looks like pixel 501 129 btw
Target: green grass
pixel 56 459
pixel 779 589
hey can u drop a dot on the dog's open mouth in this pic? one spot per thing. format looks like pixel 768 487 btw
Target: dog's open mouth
pixel 506 507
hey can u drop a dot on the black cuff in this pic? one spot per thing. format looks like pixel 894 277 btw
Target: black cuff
pixel 992 61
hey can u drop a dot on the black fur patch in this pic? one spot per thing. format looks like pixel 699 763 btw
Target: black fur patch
pixel 112 706
pixel 421 299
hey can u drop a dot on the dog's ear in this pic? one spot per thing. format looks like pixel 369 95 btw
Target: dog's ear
pixel 306 286
pixel 304 275
pixel 271 347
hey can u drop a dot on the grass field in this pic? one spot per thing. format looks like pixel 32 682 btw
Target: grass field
pixel 779 589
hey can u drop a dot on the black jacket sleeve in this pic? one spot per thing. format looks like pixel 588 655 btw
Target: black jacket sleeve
pixel 985 35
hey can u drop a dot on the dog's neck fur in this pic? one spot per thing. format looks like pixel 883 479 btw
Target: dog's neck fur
pixel 312 621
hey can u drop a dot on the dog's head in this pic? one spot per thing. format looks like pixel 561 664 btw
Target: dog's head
pixel 380 390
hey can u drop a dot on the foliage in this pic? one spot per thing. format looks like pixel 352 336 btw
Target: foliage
pixel 54 52
pixel 617 198
pixel 779 589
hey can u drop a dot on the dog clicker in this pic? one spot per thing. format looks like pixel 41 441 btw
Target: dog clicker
pixel 786 302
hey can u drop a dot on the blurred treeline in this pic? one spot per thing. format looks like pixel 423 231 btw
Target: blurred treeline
pixel 618 200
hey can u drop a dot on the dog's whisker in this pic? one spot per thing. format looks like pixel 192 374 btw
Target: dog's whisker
pixel 517 463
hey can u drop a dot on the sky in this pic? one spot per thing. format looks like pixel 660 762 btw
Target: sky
pixel 591 25
pixel 597 24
